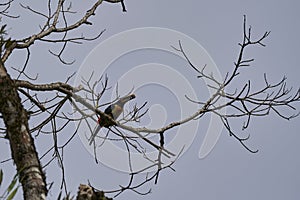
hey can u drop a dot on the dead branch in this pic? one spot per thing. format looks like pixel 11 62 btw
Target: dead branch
pixel 243 103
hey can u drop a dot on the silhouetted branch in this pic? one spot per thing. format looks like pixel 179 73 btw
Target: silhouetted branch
pixel 45 102
pixel 244 102
pixel 4 9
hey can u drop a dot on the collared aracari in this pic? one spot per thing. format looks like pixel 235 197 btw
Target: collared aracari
pixel 114 111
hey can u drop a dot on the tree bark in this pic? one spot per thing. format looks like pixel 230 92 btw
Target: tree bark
pixel 22 145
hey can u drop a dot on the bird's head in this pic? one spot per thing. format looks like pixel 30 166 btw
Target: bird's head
pixel 132 96
pixel 127 98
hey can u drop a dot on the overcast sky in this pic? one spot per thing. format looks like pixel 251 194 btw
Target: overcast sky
pixel 229 171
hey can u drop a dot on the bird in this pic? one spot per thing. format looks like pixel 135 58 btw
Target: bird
pixel 114 111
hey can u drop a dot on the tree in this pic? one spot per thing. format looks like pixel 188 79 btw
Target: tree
pixel 22 99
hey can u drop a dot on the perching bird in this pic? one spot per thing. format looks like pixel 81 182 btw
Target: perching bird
pixel 114 110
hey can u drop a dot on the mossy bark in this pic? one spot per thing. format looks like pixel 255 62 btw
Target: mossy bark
pixel 21 142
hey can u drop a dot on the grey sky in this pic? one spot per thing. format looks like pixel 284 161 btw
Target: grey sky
pixel 229 171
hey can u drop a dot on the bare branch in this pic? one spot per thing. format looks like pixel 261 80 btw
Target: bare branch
pixel 47 101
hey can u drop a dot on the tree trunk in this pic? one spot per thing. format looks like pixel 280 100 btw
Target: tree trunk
pixel 22 146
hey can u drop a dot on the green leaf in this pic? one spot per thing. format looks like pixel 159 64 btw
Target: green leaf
pixel 1 176
pixel 2 30
pixel 11 185
pixel 12 194
pixel 59 196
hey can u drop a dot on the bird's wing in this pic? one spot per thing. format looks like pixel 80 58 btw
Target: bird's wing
pixel 108 110
pixel 114 110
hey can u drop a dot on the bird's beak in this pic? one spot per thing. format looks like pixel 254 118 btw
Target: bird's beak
pixel 132 96
pixel 127 98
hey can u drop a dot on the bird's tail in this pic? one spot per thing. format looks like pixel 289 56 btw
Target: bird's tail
pixel 95 132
